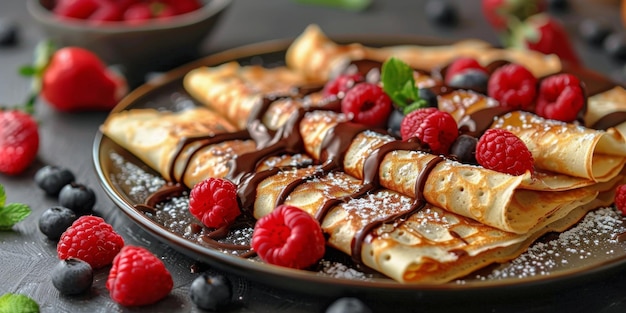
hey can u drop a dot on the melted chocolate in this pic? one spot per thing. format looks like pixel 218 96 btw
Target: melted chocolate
pixel 366 233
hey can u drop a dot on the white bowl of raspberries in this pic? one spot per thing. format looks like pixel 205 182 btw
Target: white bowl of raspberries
pixel 137 34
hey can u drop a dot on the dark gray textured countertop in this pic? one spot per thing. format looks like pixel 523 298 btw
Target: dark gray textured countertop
pixel 26 257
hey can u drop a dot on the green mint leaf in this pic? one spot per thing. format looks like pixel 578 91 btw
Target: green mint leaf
pixel 10 303
pixel 398 82
pixel 414 106
pixel 11 214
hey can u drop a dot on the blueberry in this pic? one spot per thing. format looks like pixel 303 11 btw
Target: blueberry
pixel 430 97
pixel 470 79
pixel 441 12
pixel 558 6
pixel 8 33
pixel 78 198
pixel 615 45
pixel 594 31
pixel 55 220
pixel 211 291
pixel 52 179
pixel 464 149
pixel 72 276
pixel 394 121
pixel 348 304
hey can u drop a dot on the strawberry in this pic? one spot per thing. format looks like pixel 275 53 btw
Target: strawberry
pixel 75 79
pixel 19 141
pixel 75 8
pixel 543 33
pixel 499 12
pixel 138 277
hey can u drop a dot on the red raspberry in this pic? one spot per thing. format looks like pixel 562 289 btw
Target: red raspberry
pixel 560 98
pixel 138 277
pixel 460 65
pixel 502 151
pixel 341 84
pixel 513 86
pixel 214 202
pixel 620 198
pixel 436 128
pixel 288 237
pixel 19 141
pixel 90 239
pixel 367 104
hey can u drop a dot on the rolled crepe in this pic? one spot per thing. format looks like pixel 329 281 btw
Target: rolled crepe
pixel 607 110
pixel 487 196
pixel 430 245
pixel 567 148
pixel 186 146
pixel 229 83
pixel 318 57
pixel 557 147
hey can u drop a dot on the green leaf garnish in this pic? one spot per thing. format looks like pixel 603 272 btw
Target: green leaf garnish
pixel 12 213
pixel 10 303
pixel 399 84
pixel 350 5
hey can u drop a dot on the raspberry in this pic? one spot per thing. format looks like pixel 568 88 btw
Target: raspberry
pixel 620 198
pixel 341 84
pixel 288 237
pixel 90 239
pixel 502 151
pixel 560 98
pixel 436 128
pixel 513 86
pixel 138 277
pixel 367 104
pixel 214 202
pixel 461 65
pixel 19 141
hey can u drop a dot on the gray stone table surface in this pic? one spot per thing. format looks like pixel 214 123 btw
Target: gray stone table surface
pixel 26 257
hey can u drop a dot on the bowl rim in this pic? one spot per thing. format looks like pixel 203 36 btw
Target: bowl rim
pixel 209 9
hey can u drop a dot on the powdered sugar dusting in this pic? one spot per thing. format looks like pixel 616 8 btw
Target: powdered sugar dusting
pixel 591 242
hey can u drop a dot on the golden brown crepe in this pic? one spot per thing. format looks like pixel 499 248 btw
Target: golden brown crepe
pixel 316 56
pixel 605 104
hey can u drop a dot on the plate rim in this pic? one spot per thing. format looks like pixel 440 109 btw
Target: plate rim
pixel 264 272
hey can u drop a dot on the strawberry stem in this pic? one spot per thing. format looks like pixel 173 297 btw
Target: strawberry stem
pixel 42 55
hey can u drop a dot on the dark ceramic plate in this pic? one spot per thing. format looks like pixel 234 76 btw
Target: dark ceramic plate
pixel 586 251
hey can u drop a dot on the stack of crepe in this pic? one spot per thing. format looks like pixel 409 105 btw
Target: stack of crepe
pixel 473 216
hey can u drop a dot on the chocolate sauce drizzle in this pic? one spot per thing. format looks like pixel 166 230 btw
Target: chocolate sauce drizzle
pixel 288 140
